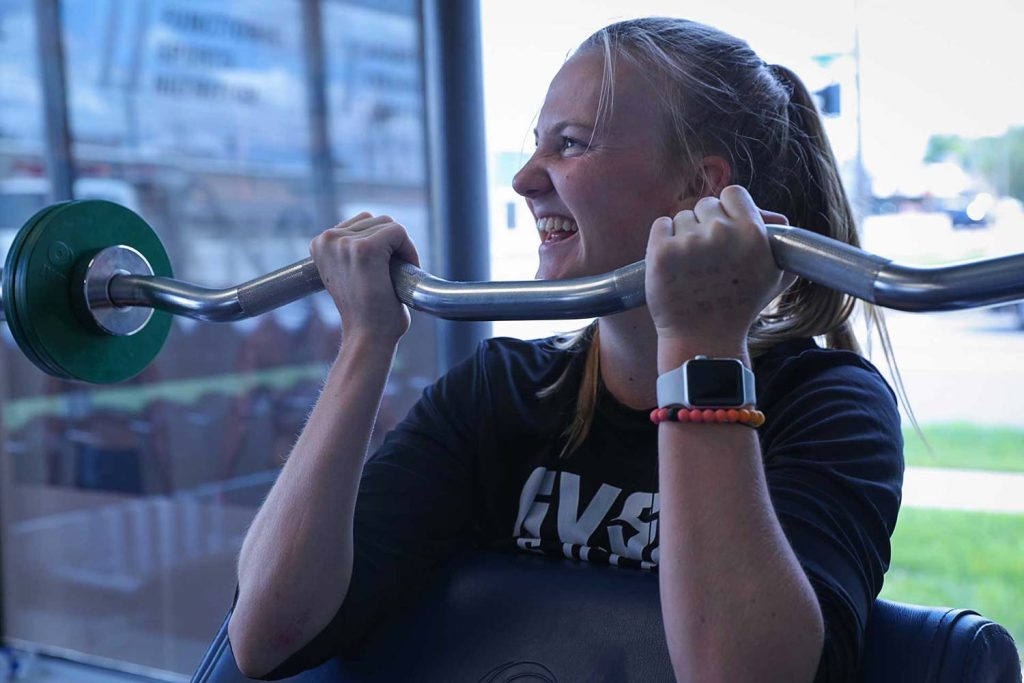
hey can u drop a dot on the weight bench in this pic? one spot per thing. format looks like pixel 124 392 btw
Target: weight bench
pixel 491 617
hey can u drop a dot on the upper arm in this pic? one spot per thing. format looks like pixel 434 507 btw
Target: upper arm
pixel 834 468
pixel 412 511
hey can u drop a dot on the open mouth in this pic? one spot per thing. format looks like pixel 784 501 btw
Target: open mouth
pixel 554 229
pixel 559 236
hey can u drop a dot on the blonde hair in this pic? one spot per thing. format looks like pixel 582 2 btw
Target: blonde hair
pixel 720 98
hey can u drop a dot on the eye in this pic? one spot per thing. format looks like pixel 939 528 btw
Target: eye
pixel 564 143
pixel 570 143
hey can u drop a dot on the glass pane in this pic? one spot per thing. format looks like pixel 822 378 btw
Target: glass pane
pixel 923 111
pixel 23 186
pixel 126 505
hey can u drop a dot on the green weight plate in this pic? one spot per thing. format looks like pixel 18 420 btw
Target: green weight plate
pixel 25 317
pixel 10 300
pixel 43 279
pixel 10 314
pixel 38 355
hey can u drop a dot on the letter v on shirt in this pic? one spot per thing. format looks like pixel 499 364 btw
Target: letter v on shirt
pixel 615 526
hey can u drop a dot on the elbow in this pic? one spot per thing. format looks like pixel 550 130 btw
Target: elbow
pixel 784 652
pixel 256 653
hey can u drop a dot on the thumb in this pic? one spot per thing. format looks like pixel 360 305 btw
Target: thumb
pixel 772 218
pixel 661 228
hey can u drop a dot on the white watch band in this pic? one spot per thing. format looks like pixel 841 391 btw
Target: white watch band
pixel 672 390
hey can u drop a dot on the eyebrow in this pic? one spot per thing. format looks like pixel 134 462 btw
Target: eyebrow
pixel 565 123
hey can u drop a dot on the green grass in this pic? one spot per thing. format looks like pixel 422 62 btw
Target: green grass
pixel 132 398
pixel 960 559
pixel 966 446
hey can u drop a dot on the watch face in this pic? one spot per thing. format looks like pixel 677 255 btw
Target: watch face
pixel 714 383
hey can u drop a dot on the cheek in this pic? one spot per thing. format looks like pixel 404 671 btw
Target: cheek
pixel 631 193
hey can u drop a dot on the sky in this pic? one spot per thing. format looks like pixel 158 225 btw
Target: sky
pixel 926 67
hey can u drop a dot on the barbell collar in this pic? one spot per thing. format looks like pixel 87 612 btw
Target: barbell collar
pixel 99 272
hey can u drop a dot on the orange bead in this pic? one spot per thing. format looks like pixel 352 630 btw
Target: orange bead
pixel 695 416
pixel 733 415
pixel 720 415
pixel 683 416
pixel 758 419
pixel 744 415
pixel 708 415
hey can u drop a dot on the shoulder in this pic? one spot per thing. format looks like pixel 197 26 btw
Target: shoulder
pixel 800 365
pixel 516 360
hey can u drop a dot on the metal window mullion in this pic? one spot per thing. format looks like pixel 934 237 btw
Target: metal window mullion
pixel 453 84
pixel 321 153
pixel 49 41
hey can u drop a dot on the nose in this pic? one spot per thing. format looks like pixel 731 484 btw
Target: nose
pixel 532 180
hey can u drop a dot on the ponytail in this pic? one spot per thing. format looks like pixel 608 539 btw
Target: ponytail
pixel 802 182
pixel 719 98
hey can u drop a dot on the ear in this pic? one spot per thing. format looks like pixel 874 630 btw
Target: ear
pixel 716 174
pixel 712 176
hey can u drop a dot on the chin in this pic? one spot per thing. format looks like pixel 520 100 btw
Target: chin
pixel 545 272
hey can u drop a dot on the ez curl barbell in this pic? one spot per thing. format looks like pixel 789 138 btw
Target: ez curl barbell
pixel 88 289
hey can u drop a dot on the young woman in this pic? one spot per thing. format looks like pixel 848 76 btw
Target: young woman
pixel 664 140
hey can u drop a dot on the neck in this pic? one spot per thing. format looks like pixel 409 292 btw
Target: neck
pixel 629 357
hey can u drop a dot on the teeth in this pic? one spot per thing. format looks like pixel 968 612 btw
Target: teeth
pixel 552 223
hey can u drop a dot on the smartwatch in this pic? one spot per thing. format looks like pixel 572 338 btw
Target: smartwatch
pixel 704 382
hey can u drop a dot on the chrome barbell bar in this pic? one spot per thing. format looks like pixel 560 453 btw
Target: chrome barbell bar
pixel 830 263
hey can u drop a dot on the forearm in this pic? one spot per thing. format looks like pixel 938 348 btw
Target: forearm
pixel 736 604
pixel 296 561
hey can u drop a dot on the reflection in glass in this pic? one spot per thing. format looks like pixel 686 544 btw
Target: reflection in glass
pixel 125 506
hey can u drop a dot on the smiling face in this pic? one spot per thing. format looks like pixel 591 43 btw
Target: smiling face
pixel 611 183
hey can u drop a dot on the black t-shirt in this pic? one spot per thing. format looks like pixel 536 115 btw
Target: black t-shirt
pixel 476 463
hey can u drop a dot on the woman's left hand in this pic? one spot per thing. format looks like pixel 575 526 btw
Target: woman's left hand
pixel 710 271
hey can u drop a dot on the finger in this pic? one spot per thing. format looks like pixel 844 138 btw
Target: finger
pixel 737 203
pixel 662 229
pixel 358 217
pixel 685 222
pixel 396 241
pixel 365 224
pixel 707 209
pixel 772 218
pixel 401 244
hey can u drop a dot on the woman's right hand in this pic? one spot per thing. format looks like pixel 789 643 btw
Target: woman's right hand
pixel 353 259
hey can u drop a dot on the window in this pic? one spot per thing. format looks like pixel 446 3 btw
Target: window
pixel 931 149
pixel 126 506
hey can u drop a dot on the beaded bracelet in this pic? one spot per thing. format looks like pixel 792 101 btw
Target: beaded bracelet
pixel 749 417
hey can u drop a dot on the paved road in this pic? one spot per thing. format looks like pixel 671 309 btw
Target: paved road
pixel 950 489
pixel 959 366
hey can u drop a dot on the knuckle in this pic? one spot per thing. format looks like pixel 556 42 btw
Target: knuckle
pixel 687 240
pixel 719 223
pixel 665 259
pixel 362 249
